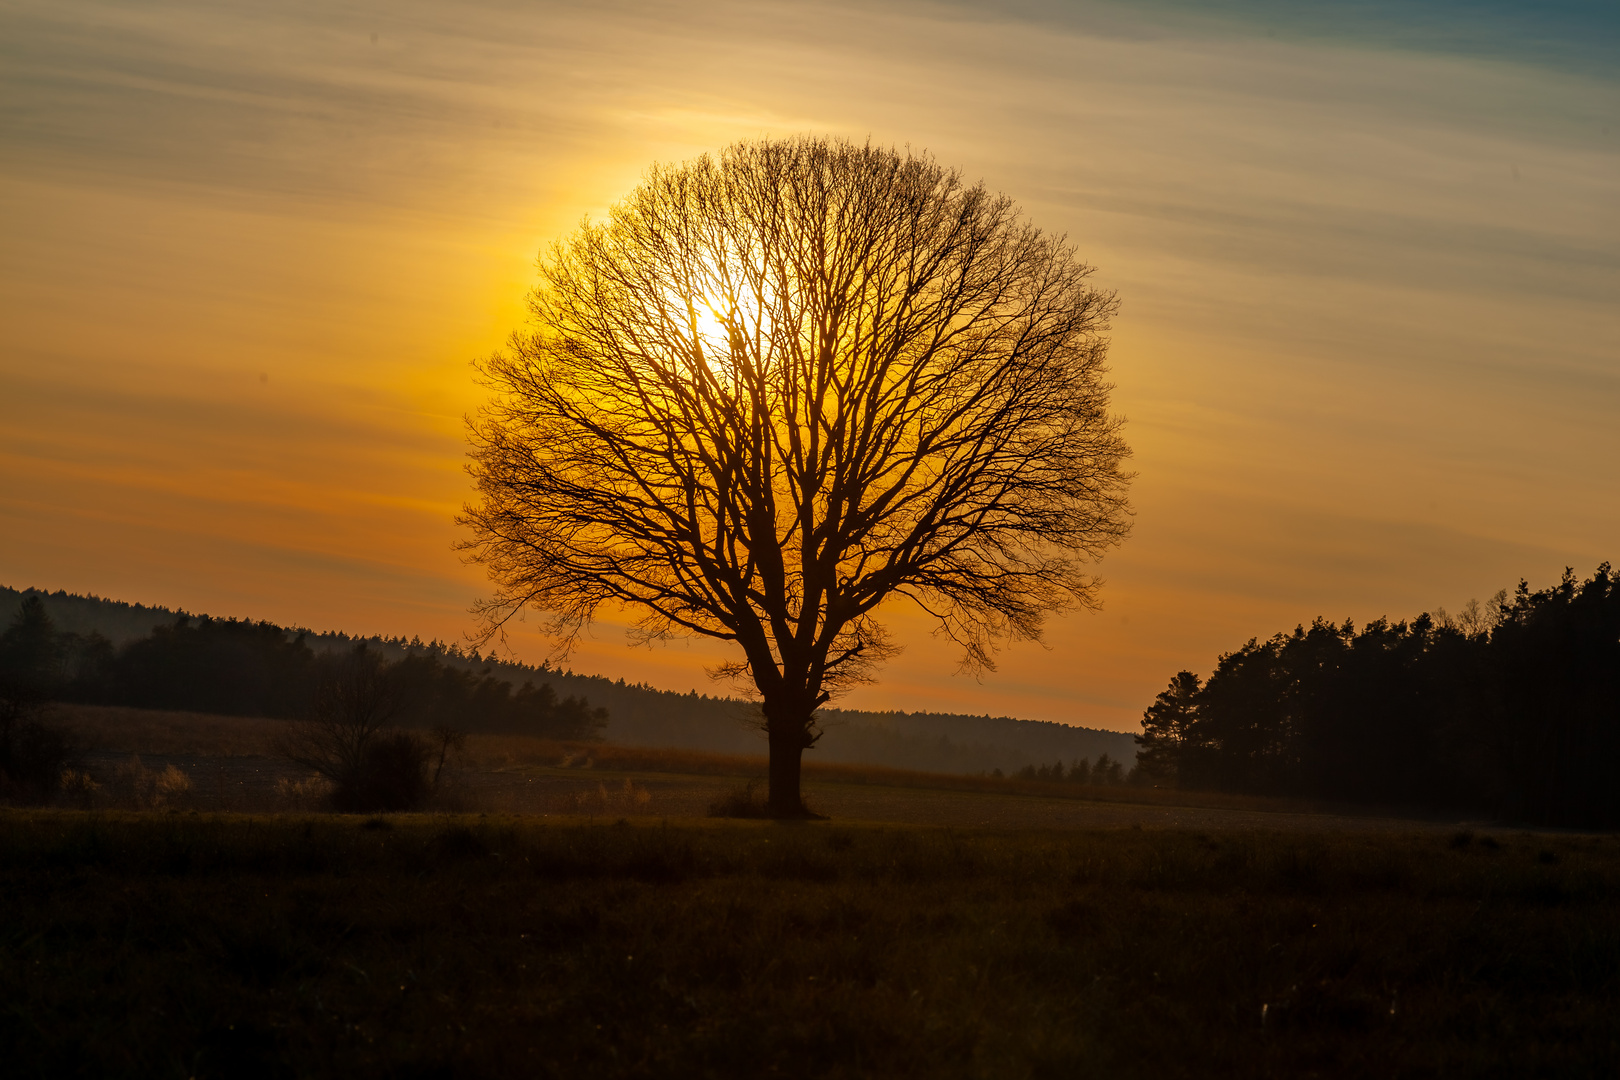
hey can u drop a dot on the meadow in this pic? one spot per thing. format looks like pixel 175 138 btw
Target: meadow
pixel 229 763
pixel 181 943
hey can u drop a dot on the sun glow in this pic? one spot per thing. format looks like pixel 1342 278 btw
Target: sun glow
pixel 721 317
pixel 710 329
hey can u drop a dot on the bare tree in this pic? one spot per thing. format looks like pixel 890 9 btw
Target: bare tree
pixel 345 735
pixel 776 389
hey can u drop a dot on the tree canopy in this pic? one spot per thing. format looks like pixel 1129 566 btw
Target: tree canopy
pixel 775 389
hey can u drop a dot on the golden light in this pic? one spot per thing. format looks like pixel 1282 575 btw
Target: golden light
pixel 715 300
pixel 710 329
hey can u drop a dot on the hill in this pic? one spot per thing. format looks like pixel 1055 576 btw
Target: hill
pixel 641 715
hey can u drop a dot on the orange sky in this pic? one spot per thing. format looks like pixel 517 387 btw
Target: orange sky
pixel 1369 346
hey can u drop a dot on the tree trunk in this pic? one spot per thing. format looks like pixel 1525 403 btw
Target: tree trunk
pixel 786 801
pixel 788 729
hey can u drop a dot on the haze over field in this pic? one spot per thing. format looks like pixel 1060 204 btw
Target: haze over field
pixel 1368 261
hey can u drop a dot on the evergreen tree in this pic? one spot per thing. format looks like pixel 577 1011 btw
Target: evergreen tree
pixel 30 657
pixel 33 751
pixel 1165 726
pixel 1513 712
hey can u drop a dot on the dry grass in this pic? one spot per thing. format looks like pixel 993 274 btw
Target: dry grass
pixel 496 752
pixel 492 769
pixel 517 752
pixel 119 730
pixel 163 944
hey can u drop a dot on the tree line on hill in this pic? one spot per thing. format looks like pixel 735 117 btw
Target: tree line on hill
pixel 357 718
pixel 647 716
pixel 1511 711
pixel 1106 772
pixel 952 742
pixel 244 668
pixel 163 659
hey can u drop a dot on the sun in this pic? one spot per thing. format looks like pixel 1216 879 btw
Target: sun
pixel 715 314
pixel 709 328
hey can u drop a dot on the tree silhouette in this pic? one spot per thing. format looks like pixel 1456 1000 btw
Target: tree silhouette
pixel 1165 727
pixel 30 661
pixel 33 751
pixel 1511 711
pixel 346 735
pixel 776 389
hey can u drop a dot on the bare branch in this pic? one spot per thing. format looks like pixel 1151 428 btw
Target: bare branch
pixel 777 388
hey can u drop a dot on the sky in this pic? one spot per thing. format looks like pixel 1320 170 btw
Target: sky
pixel 1368 258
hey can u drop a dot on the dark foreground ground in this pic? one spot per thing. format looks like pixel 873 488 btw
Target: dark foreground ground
pixel 173 944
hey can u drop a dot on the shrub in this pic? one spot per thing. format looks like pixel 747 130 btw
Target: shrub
pixel 135 786
pixel 310 793
pixel 744 802
pixel 345 737
pixel 34 754
pixel 78 788
pixel 392 776
pixel 627 797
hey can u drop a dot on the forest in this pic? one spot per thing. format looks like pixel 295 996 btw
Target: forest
pixel 638 714
pixel 244 668
pixel 1511 712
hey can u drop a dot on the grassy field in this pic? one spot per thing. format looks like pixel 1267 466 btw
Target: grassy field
pixel 230 764
pixel 180 944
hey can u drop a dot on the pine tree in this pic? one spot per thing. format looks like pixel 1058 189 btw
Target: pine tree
pixel 1164 727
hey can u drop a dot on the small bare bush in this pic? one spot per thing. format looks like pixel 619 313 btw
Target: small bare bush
pixel 603 799
pixel 134 786
pixel 743 802
pixel 345 737
pixel 393 776
pixel 310 793
pixel 78 788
